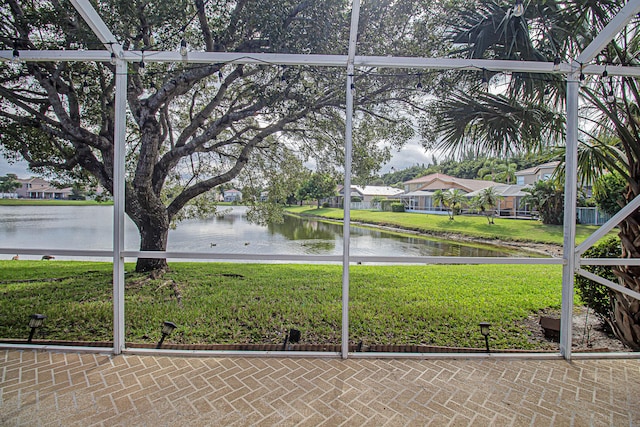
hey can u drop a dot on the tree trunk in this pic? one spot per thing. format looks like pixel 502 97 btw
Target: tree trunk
pixel 626 310
pixel 153 227
pixel 152 240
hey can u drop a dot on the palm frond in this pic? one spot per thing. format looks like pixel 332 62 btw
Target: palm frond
pixel 493 124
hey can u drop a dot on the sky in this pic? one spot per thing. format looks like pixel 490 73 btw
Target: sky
pixel 19 168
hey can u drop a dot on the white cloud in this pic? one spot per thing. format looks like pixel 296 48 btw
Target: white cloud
pixel 18 168
pixel 410 155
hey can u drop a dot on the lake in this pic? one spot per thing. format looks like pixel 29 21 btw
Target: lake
pixel 91 227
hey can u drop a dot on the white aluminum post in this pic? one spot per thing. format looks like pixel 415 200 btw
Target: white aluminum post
pixel 346 199
pixel 119 150
pixel 570 196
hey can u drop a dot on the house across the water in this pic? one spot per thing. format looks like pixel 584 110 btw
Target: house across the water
pixel 38 188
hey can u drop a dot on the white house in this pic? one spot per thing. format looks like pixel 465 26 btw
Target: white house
pixel 365 195
pixel 232 195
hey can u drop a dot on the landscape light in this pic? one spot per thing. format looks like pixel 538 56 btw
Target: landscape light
pixel 484 330
pixel 293 337
pixel 556 63
pixel 167 329
pixel 35 321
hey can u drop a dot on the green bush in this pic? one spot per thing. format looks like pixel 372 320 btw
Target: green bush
pixel 595 295
pixel 397 207
pixel 325 205
pixel 385 205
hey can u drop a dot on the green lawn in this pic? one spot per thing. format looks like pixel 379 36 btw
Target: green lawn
pixel 473 226
pixel 255 303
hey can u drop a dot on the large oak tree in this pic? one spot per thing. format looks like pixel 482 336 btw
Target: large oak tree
pixel 192 128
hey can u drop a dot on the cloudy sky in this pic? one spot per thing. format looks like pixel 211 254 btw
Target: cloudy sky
pixel 19 168
pixel 411 154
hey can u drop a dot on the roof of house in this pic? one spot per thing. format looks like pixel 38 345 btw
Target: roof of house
pixel 426 178
pixel 504 190
pixel 535 169
pixel 373 190
pixel 435 181
pixel 233 190
pixel 417 193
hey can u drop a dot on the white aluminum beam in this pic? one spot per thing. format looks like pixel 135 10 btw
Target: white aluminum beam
pixel 97 25
pixel 614 27
pixel 608 226
pixel 608 283
pixel 383 62
pixel 610 261
pixel 348 155
pixel 570 196
pixel 119 152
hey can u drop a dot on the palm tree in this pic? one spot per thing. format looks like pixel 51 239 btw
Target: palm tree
pixel 456 201
pixel 526 115
pixel 487 201
pixel 547 198
pixel 441 198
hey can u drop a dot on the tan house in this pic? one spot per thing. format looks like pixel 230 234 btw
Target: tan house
pixel 510 203
pixel 537 173
pixel 38 188
pixel 418 194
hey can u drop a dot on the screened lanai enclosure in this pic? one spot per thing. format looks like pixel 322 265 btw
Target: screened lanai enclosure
pixel 160 103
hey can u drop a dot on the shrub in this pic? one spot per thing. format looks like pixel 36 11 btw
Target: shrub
pixel 594 295
pixel 385 205
pixel 397 207
pixel 325 205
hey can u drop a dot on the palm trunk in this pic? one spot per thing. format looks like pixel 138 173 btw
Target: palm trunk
pixel 625 320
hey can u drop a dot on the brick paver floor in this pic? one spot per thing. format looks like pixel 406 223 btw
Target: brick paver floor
pixel 39 388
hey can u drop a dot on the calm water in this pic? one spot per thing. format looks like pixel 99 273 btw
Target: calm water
pixel 90 227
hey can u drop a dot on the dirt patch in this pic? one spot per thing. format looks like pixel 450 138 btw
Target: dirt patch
pixel 587 332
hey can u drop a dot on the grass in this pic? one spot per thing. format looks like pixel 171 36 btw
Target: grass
pixel 255 303
pixel 472 226
pixel 40 202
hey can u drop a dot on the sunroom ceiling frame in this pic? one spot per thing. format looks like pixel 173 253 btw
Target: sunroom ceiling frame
pixel 350 62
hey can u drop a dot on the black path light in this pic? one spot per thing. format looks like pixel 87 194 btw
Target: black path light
pixel 167 329
pixel 35 321
pixel 484 330
pixel 292 337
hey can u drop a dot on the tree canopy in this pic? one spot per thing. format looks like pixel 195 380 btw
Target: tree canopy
pixel 192 128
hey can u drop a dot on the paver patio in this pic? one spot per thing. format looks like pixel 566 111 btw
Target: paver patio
pixel 41 388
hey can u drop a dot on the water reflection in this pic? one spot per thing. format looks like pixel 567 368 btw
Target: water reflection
pixel 90 227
